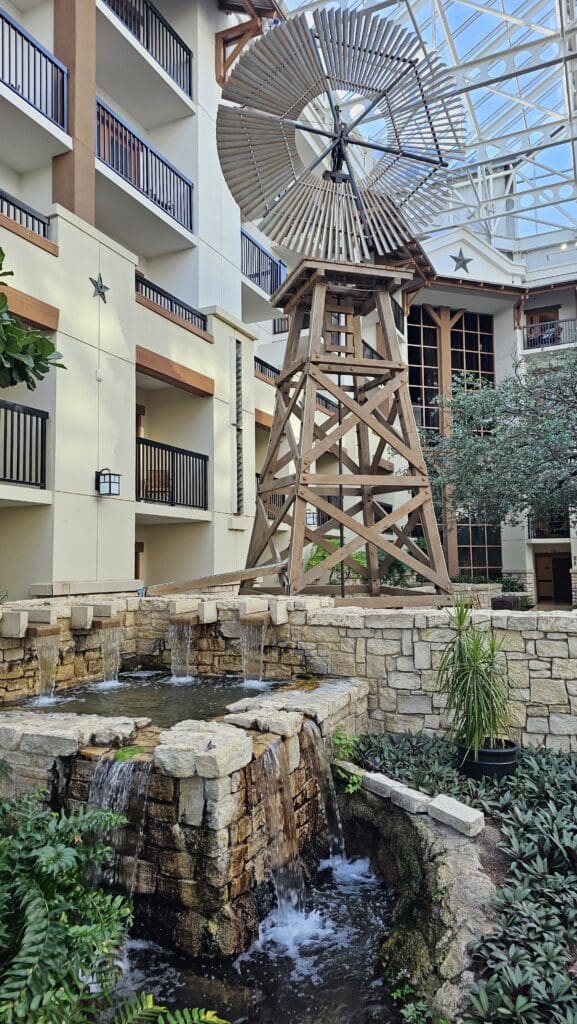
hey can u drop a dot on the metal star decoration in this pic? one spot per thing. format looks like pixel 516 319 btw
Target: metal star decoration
pixel 100 288
pixel 461 261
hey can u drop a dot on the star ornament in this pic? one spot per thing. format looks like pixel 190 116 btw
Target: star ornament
pixel 100 288
pixel 461 261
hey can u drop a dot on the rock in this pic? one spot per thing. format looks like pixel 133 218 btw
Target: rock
pixel 410 800
pixel 459 816
pixel 209 749
pixel 379 784
pixel 191 800
pixel 57 744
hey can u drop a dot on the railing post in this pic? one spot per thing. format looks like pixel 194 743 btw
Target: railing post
pixel 173 478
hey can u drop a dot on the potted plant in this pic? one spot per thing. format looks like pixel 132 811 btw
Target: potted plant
pixel 473 675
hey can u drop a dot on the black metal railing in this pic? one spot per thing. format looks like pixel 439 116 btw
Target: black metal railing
pixel 266 369
pixel 398 315
pixel 553 332
pixel 142 166
pixel 327 403
pixel 22 444
pixel 22 214
pixel 33 72
pixel 158 37
pixel 542 529
pixel 169 475
pixel 154 293
pixel 259 266
pixel 280 324
pixel 272 502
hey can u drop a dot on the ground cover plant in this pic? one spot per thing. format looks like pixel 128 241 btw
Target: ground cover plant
pixel 60 938
pixel 527 967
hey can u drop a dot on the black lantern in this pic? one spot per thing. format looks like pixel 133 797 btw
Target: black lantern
pixel 106 483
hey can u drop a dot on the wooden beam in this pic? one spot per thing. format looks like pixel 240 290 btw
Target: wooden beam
pixel 166 370
pixel 219 580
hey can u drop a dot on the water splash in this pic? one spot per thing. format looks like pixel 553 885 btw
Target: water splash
pixel 283 851
pixel 121 787
pixel 179 637
pixel 326 789
pixel 252 635
pixel 47 650
pixel 110 650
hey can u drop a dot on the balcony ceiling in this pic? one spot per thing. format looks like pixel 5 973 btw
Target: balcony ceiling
pixel 30 140
pixel 128 73
pixel 133 220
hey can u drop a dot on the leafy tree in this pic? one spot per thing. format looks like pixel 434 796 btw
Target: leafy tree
pixel 26 355
pixel 513 448
pixel 60 937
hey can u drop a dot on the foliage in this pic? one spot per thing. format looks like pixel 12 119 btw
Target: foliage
pixel 527 966
pixel 466 577
pixel 397 575
pixel 410 1008
pixel 60 938
pixel 472 674
pixel 511 585
pixel 127 753
pixel 512 448
pixel 344 747
pixel 26 355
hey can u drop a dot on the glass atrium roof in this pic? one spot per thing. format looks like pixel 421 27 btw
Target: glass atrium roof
pixel 515 65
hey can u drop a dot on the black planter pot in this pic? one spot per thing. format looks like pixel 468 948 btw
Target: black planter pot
pixel 492 763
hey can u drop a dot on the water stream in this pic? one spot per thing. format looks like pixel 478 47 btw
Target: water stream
pixel 326 788
pixel 283 852
pixel 47 650
pixel 179 637
pixel 122 787
pixel 110 649
pixel 252 635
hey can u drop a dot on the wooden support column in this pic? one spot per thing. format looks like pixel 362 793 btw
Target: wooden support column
pixel 74 178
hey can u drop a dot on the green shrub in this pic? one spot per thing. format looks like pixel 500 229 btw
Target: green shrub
pixel 26 355
pixel 511 585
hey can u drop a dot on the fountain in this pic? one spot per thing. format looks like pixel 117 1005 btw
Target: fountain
pixel 47 650
pixel 283 851
pixel 121 787
pixel 110 649
pixel 326 789
pixel 179 637
pixel 252 636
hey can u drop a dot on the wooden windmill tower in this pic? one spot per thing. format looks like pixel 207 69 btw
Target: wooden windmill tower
pixel 356 231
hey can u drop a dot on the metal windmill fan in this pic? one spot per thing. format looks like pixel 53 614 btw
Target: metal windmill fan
pixel 339 81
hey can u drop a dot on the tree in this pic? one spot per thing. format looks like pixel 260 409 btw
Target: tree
pixel 513 448
pixel 26 355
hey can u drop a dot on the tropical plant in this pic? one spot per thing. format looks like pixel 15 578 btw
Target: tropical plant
pixel 397 575
pixel 60 938
pixel 472 674
pixel 26 355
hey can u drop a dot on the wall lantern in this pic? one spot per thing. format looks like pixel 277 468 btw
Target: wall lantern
pixel 106 483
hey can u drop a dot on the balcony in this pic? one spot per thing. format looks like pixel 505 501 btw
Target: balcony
pixel 157 298
pixel 22 445
pixel 23 215
pixel 555 528
pixel 33 100
pixel 140 58
pixel 167 475
pixel 267 370
pixel 263 274
pixel 141 199
pixel 553 332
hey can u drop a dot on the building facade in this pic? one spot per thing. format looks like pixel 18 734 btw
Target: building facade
pixel 128 249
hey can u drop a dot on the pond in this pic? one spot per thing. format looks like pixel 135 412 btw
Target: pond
pixel 314 965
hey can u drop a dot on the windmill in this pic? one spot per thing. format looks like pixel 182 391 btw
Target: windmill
pixel 295 145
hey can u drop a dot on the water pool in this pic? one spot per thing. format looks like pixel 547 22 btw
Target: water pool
pixel 152 695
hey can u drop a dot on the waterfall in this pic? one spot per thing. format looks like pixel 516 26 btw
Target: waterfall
pixel 283 851
pixel 179 636
pixel 252 634
pixel 110 650
pixel 121 787
pixel 47 649
pixel 326 788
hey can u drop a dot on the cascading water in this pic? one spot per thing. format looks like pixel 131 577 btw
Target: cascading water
pixel 47 650
pixel 179 637
pixel 122 787
pixel 110 650
pixel 252 636
pixel 284 860
pixel 326 788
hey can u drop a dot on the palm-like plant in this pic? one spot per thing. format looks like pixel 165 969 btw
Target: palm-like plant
pixel 473 676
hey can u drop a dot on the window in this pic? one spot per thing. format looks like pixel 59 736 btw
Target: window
pixel 472 349
pixel 423 359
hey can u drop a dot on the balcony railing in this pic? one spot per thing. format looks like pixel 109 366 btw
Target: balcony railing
pixel 33 72
pixel 22 445
pixel 169 475
pixel 142 166
pixel 398 315
pixel 272 502
pixel 542 529
pixel 158 37
pixel 22 214
pixel 553 332
pixel 259 266
pixel 280 324
pixel 266 369
pixel 170 303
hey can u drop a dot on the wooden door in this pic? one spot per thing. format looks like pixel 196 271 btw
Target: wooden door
pixel 544 577
pixel 562 578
